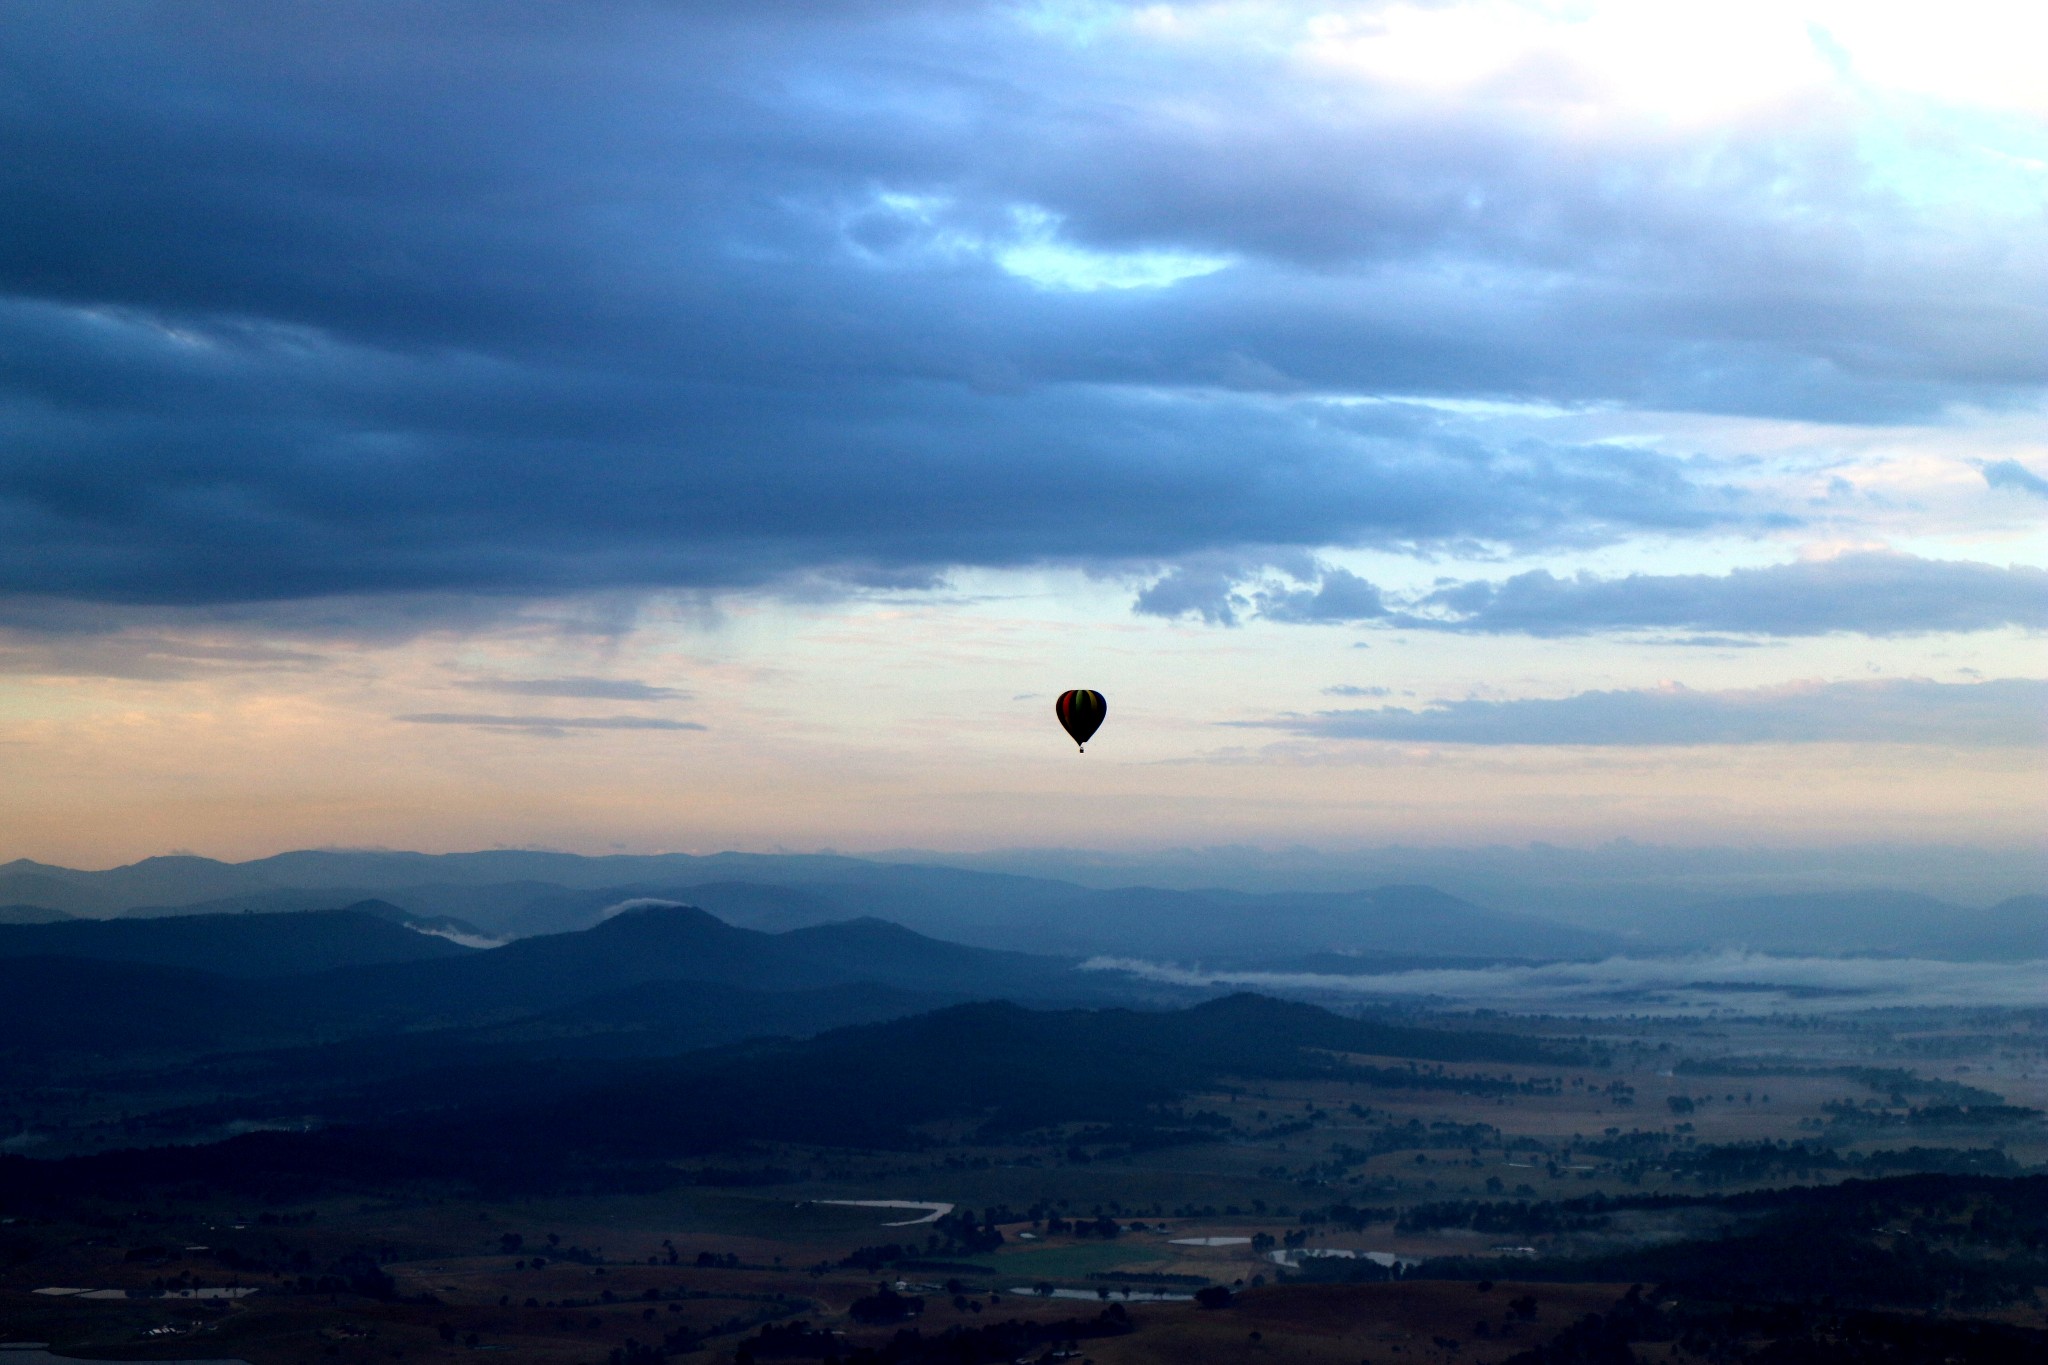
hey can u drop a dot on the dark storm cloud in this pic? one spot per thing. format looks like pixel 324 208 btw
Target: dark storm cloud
pixel 488 477
pixel 591 689
pixel 1868 594
pixel 2004 712
pixel 389 298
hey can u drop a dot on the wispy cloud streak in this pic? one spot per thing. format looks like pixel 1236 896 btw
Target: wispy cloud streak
pixel 545 725
pixel 588 689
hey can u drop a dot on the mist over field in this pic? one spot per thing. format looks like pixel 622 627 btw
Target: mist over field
pixel 1683 984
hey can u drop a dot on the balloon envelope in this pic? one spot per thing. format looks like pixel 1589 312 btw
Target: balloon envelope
pixel 1081 712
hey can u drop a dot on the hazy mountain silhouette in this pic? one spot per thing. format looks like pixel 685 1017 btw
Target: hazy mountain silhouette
pixel 30 914
pixel 517 893
pixel 654 978
pixel 514 893
pixel 177 879
pixel 682 944
pixel 1053 917
pixel 1891 922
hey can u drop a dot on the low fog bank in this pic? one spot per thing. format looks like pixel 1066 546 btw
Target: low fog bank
pixel 1722 982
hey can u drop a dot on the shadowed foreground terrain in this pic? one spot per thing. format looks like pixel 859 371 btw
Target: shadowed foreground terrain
pixel 295 1139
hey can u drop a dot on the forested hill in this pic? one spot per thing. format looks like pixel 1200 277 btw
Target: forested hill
pixel 1001 1067
pixel 233 945
pixel 212 980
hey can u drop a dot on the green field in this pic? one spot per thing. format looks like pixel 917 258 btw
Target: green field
pixel 1077 1261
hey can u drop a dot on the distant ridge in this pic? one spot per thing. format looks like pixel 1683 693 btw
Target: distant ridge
pixel 515 893
pixel 1892 922
pixel 509 894
pixel 678 943
pixel 300 900
pixel 664 973
pixel 30 914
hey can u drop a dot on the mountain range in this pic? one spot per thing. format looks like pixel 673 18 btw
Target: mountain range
pixel 1895 923
pixel 210 980
pixel 509 895
pixel 494 896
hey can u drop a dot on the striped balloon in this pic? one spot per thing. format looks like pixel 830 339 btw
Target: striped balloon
pixel 1081 712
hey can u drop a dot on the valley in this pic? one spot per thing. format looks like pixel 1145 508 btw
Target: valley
pixel 326 1137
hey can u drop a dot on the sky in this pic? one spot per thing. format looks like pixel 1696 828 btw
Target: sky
pixel 649 425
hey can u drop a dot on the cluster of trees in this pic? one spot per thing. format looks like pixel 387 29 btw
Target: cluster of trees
pixel 1916 1243
pixel 1895 1082
pixel 1104 1226
pixel 1752 1162
pixel 357 1272
pixel 960 1232
pixel 1520 1217
pixel 1346 1215
pixel 876 1257
pixel 885 1305
pixel 1808 1335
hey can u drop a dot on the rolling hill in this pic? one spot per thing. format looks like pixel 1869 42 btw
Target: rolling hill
pixel 30 914
pixel 682 944
pixel 647 980
pixel 531 1122
pixel 233 945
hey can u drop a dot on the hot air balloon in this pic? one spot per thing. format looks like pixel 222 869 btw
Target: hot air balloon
pixel 1081 712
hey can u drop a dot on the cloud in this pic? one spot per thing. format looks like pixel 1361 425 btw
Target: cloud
pixel 2003 712
pixel 1867 593
pixel 1339 595
pixel 1352 690
pixel 1877 593
pixel 1208 590
pixel 567 298
pixel 546 725
pixel 1222 590
pixel 145 657
pixel 678 482
pixel 596 689
pixel 2013 474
